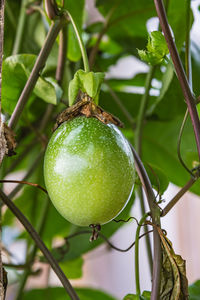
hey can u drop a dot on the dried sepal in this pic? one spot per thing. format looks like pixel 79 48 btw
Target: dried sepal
pixel 7 141
pixel 86 107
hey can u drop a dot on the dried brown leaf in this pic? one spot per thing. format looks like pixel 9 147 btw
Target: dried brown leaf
pixel 174 283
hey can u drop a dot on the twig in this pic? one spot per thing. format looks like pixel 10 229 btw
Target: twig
pixel 190 100
pixel 147 238
pixel 178 196
pixel 55 266
pixel 15 266
pixel 61 55
pixel 20 28
pixel 2 8
pixel 155 213
pixel 27 175
pixel 39 64
pixel 106 239
pixel 137 270
pixel 25 182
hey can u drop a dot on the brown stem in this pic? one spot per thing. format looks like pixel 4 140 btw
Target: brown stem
pixel 55 266
pixel 190 100
pixel 178 196
pixel 25 182
pixel 155 213
pixel 106 239
pixel 2 7
pixel 39 64
pixel 61 55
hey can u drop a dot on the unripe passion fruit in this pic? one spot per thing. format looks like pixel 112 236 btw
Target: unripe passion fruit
pixel 89 171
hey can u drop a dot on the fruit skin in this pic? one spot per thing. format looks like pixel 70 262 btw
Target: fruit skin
pixel 89 171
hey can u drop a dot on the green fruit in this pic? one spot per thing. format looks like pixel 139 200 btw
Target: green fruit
pixel 89 171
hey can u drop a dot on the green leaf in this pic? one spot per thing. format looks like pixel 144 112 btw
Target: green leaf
pixel 157 44
pixel 60 293
pixel 89 83
pixel 73 268
pixel 194 290
pixel 16 70
pixel 156 49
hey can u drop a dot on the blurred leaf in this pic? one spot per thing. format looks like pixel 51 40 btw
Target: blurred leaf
pixel 166 81
pixel 157 177
pixel 131 297
pixel 34 34
pixel 73 268
pixel 61 294
pixel 195 57
pixel 30 201
pixel 122 84
pixel 76 9
pixel 10 25
pixel 130 16
pixel 160 149
pixel 194 290
pixel 170 103
pixel 130 101
pixel 81 244
pixel 177 12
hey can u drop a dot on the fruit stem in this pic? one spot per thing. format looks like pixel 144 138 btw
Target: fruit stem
pixel 137 269
pixel 81 44
pixel 35 236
